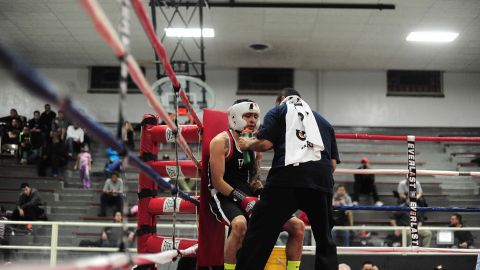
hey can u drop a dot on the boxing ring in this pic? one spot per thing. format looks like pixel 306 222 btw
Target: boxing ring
pixel 153 249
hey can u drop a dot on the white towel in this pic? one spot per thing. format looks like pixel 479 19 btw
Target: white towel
pixel 303 141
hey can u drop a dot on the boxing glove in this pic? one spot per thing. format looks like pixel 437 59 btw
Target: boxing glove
pixel 245 203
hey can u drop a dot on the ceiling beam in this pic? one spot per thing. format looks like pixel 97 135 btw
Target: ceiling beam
pixel 233 4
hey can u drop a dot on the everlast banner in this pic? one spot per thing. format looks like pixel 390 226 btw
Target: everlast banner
pixel 412 188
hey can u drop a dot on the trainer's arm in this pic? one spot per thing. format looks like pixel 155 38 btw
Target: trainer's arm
pixel 255 144
pixel 334 165
pixel 218 148
pixel 255 182
pixel 335 157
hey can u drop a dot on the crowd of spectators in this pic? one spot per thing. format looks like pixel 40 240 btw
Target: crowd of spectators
pixel 47 139
pixel 364 184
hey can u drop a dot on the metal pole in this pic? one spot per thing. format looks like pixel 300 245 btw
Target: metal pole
pixel 153 6
pixel 404 236
pixel 202 52
pixel 53 245
pixel 202 47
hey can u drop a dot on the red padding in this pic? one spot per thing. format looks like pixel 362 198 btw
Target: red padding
pixel 169 168
pixel 158 244
pixel 145 182
pixel 163 133
pixel 161 206
pixel 211 235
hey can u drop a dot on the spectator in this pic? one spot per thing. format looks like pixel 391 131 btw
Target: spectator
pixel 342 217
pixel 36 129
pixel 110 236
pixel 74 138
pixel 112 194
pixel 86 138
pixel 5 232
pixel 28 206
pixel 55 157
pixel 476 161
pixel 128 135
pixel 402 218
pixel 114 163
pixel 104 241
pixel 365 184
pixel 344 266
pixel 34 124
pixel 8 134
pixel 115 233
pixel 84 165
pixel 403 191
pixel 46 120
pixel 14 115
pixel 375 267
pixel 11 136
pixel 462 239
pixel 28 151
pixel 60 125
pixel 367 265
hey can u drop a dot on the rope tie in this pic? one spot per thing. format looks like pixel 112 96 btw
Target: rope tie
pixel 177 167
pixel 124 30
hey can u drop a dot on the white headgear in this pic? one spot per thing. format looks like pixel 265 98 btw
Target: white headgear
pixel 236 111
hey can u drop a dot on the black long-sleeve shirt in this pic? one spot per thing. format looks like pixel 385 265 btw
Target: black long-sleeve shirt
pixel 32 200
pixel 364 179
pixel 463 236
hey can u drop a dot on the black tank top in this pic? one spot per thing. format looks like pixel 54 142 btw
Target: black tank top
pixel 237 173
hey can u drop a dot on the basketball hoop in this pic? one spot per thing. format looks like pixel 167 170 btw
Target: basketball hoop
pixel 200 94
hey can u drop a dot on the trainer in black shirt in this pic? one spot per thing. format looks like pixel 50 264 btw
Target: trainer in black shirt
pixel 307 186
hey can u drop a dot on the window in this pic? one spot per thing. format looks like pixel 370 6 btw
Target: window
pixel 415 83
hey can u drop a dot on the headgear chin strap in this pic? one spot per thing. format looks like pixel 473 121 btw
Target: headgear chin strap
pixel 236 111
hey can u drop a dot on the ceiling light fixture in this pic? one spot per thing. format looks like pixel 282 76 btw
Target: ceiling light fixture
pixel 432 36
pixel 189 32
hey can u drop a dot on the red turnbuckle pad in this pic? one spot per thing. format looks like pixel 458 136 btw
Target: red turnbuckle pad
pixel 169 168
pixel 163 134
pixel 166 205
pixel 158 244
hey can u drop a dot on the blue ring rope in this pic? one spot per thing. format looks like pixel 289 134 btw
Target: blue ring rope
pixel 37 85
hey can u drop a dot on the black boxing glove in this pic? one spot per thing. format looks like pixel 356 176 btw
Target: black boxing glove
pixel 237 196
